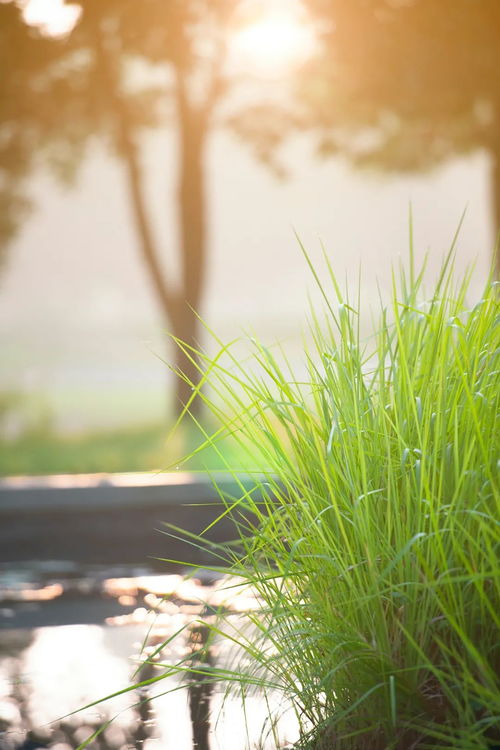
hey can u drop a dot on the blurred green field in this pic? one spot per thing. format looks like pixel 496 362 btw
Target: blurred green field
pixel 31 443
pixel 139 448
pixel 39 452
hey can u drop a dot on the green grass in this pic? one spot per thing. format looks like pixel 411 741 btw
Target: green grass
pixel 375 550
pixel 140 448
pixel 45 452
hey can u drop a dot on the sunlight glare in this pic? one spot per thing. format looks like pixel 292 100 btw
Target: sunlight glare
pixel 274 44
pixel 52 17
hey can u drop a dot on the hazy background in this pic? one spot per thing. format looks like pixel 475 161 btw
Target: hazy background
pixel 81 334
pixel 79 325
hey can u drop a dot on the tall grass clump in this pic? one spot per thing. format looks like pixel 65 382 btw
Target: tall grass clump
pixel 374 535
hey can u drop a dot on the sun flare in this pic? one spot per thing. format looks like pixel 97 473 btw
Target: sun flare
pixel 52 17
pixel 273 44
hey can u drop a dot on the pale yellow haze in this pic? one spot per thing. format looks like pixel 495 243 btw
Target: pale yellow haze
pixel 272 42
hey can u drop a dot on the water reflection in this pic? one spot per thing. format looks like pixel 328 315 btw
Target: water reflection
pixel 47 673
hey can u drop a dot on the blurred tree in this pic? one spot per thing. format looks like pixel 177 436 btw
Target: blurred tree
pixel 404 85
pixel 60 92
pixel 398 85
pixel 188 39
pixel 21 56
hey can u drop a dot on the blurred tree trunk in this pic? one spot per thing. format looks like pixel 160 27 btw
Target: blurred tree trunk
pixel 193 129
pixel 178 305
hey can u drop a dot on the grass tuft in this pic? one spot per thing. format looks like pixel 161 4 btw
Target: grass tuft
pixel 374 545
pixel 371 533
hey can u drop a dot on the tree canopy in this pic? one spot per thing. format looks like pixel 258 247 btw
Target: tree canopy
pixel 404 85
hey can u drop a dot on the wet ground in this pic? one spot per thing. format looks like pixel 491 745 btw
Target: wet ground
pixel 70 635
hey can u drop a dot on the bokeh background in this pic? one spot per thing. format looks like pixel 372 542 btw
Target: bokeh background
pixel 164 156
